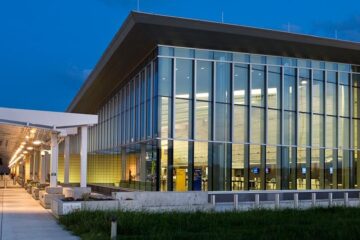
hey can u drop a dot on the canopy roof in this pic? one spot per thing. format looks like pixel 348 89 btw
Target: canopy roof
pixel 141 33
pixel 19 126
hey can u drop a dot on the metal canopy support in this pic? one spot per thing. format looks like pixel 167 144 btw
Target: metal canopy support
pixel 83 156
pixel 66 159
pixel 54 159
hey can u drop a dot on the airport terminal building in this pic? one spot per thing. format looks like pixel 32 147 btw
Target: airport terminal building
pixel 188 105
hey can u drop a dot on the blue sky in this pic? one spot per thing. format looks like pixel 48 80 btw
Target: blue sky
pixel 48 48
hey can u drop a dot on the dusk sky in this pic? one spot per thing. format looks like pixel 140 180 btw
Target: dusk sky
pixel 48 47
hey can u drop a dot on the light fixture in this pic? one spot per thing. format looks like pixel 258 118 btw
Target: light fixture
pixel 37 142
pixel 33 130
pixel 23 143
pixel 29 148
pixel 303 82
pixel 25 152
pixel 27 136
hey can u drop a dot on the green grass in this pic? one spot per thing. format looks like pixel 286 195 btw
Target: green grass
pixel 318 223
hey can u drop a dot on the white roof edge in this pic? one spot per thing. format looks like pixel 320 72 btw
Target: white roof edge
pixel 47 118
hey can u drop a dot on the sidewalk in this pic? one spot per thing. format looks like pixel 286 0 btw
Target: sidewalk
pixel 22 217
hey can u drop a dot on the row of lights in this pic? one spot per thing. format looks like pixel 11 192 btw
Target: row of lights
pixel 24 149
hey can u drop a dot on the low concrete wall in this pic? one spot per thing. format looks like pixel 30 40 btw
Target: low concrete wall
pixel 163 201
pixel 75 192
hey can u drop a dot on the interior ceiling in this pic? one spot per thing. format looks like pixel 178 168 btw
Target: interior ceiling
pixel 11 137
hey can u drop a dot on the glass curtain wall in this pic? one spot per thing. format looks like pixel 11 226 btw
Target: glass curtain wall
pixel 195 119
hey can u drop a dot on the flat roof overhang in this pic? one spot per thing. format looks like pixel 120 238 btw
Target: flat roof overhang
pixel 141 33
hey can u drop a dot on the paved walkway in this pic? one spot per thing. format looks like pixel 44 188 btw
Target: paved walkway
pixel 22 217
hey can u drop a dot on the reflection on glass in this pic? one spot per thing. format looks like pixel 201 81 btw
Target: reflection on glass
pixel 238 167
pixel 288 168
pixel 222 82
pixel 344 133
pixel 203 120
pixel 257 125
pixel 356 102
pixel 241 79
pixel 165 78
pixel 222 122
pixel 318 130
pixel 258 86
pixel 221 168
pixel 184 78
pixel 331 132
pixel 274 87
pixel 315 168
pixel 183 126
pixel 331 99
pixel 344 95
pixel 164 117
pixel 304 90
pixel 274 131
pixel 289 128
pixel 204 73
pixel 240 124
pixel 289 88
pixel 330 169
pixel 303 171
pixel 304 129
pixel 272 171
pixel 256 171
pixel 318 97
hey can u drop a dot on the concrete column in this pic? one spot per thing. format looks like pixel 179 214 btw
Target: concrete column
pixel 83 156
pixel 54 159
pixel 43 169
pixel 66 159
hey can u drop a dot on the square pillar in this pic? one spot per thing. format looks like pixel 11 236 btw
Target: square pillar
pixel 54 159
pixel 83 156
pixel 43 168
pixel 66 159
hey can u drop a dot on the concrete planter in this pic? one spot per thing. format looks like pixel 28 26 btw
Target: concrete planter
pixel 60 207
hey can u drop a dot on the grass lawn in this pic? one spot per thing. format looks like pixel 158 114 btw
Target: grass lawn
pixel 318 223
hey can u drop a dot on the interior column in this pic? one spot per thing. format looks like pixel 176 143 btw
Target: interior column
pixel 66 159
pixel 83 156
pixel 54 159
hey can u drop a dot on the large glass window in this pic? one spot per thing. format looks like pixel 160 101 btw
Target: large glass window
pixel 256 173
pixel 201 167
pixel 241 81
pixel 180 166
pixel 318 97
pixel 344 96
pixel 165 79
pixel 272 169
pixel 257 125
pixel 222 82
pixel 289 128
pixel 183 126
pixel 318 130
pixel 331 132
pixel 274 132
pixel 304 90
pixel 290 89
pixel 344 133
pixel 222 122
pixel 238 167
pixel 240 129
pixel 304 129
pixel 331 101
pixel 184 78
pixel 274 87
pixel 164 105
pixel 258 86
pixel 203 120
pixel 204 72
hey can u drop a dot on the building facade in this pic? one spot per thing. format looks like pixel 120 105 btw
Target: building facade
pixel 199 119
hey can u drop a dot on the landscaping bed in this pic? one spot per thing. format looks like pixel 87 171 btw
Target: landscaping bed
pixel 318 223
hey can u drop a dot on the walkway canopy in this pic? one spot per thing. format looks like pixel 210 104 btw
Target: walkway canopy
pixel 31 132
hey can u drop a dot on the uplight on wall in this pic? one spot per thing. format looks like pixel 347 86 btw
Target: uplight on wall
pixel 37 142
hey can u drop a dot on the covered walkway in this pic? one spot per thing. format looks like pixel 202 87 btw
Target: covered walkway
pixel 22 217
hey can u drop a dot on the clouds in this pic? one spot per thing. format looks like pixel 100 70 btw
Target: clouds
pixel 347 29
